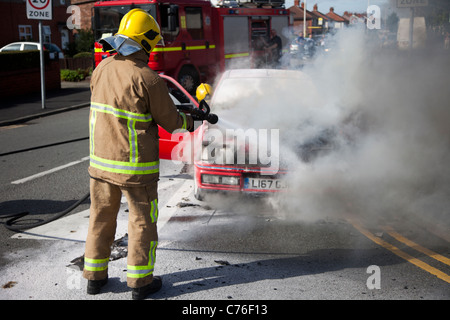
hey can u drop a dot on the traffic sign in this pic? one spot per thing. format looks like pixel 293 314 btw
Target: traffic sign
pixel 411 3
pixel 39 9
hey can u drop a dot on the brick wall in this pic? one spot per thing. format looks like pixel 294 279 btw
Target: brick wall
pixel 15 14
pixel 23 82
pixel 85 12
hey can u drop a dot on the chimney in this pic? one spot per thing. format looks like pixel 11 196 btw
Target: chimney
pixel 331 9
pixel 297 3
pixel 303 5
pixel 315 7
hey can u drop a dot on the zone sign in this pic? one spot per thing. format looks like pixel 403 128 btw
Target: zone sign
pixel 411 3
pixel 39 9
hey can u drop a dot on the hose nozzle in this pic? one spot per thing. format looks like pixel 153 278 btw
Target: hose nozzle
pixel 200 113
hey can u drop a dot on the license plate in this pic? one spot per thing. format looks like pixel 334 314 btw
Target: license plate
pixel 264 184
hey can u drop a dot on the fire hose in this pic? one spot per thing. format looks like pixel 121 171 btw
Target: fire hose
pixel 9 223
pixel 198 111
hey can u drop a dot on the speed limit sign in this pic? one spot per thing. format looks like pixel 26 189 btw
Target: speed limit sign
pixel 39 9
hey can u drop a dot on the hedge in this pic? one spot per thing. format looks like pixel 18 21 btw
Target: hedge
pixel 19 60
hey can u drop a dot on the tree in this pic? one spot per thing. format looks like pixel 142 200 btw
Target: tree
pixel 84 40
pixel 392 22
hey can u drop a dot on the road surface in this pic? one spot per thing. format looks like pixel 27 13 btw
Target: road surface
pixel 219 250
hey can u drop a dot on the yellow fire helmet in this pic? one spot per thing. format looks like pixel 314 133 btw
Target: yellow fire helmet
pixel 204 91
pixel 140 26
pixel 137 30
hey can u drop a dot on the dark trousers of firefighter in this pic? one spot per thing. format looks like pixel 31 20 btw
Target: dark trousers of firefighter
pixel 142 231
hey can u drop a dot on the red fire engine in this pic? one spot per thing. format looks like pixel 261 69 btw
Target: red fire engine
pixel 201 37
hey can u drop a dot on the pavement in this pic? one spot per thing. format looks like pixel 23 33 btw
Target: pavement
pixel 71 96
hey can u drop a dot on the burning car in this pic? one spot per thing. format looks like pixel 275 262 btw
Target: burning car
pixel 241 153
pixel 264 125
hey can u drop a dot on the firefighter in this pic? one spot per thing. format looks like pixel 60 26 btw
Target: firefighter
pixel 204 92
pixel 128 102
pixel 273 48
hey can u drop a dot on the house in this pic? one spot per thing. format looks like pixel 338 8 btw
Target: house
pixel 317 22
pixel 320 21
pixel 17 27
pixel 297 12
pixel 86 9
pixel 336 21
pixel 355 19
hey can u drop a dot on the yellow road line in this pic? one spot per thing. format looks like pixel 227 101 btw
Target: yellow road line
pixel 416 246
pixel 424 266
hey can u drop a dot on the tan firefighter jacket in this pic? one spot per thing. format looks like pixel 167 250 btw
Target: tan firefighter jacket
pixel 128 102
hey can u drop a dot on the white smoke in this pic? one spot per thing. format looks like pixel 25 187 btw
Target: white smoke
pixel 388 113
pixel 391 113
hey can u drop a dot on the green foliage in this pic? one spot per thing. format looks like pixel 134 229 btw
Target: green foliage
pixel 74 75
pixel 83 55
pixel 84 42
pixel 392 22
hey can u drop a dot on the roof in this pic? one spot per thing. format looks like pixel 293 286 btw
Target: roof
pixel 319 14
pixel 334 16
pixel 297 12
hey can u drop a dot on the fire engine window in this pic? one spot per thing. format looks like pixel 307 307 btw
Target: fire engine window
pixel 194 22
pixel 169 21
pixel 107 18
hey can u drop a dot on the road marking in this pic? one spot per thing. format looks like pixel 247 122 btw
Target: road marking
pixel 424 266
pixel 41 174
pixel 416 246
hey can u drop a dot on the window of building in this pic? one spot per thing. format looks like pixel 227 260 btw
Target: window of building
pixel 47 33
pixel 25 32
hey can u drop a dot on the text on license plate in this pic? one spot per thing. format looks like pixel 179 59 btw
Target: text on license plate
pixel 264 184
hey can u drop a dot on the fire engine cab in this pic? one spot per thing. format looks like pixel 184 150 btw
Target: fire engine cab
pixel 201 37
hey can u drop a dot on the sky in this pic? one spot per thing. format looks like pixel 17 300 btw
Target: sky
pixel 340 6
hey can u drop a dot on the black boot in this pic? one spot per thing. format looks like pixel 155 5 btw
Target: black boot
pixel 94 286
pixel 142 292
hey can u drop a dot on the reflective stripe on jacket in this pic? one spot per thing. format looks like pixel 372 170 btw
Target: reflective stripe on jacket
pixel 128 102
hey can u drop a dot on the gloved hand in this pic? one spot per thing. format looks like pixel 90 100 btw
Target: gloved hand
pixel 204 109
pixel 198 114
pixel 201 113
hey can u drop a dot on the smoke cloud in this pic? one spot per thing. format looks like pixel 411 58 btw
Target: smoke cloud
pixel 385 115
pixel 390 112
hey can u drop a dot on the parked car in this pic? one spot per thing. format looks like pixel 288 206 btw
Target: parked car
pixel 55 51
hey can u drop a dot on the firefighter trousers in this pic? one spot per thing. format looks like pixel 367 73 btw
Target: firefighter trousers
pixel 142 231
